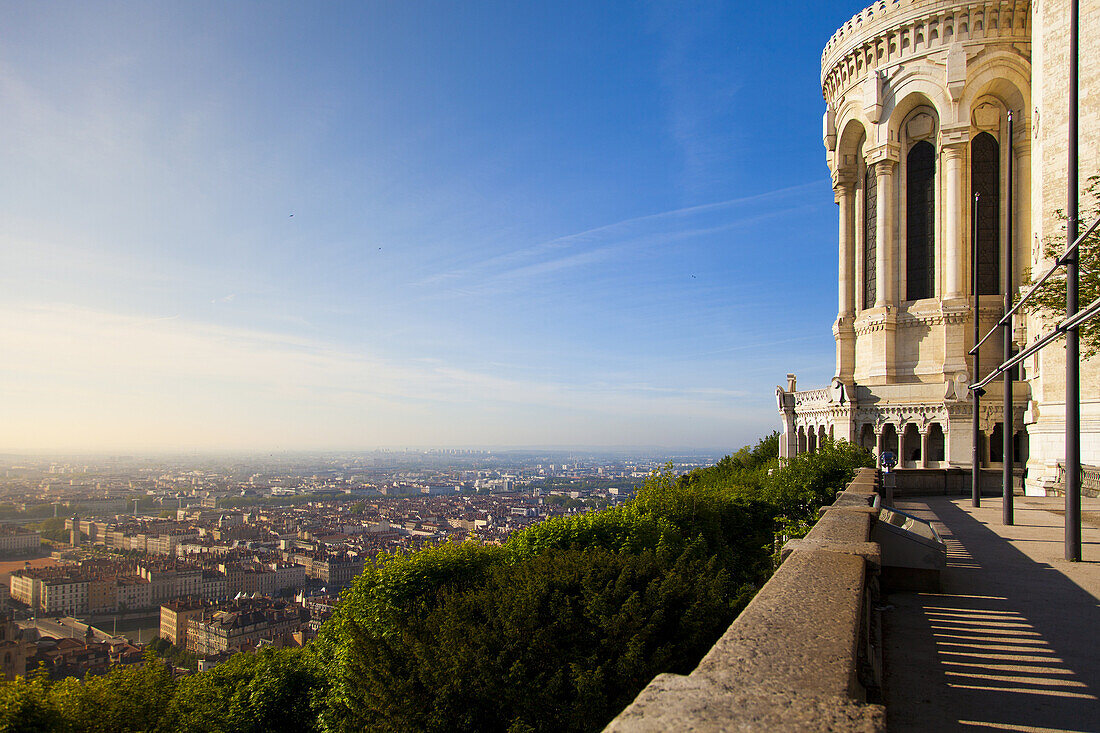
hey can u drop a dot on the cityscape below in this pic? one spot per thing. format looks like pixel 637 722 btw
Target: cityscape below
pixel 200 557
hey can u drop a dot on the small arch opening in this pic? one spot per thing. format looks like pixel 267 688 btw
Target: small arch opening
pixel 867 436
pixel 890 438
pixel 996 444
pixel 911 449
pixel 936 443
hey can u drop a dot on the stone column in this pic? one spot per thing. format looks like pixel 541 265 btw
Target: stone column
pixel 845 199
pixel 843 330
pixel 956 243
pixel 886 255
pixel 956 251
pixel 924 446
pixel 788 441
pixel 880 445
pixel 1021 255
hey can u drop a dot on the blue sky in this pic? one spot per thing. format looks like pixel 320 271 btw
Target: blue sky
pixel 347 225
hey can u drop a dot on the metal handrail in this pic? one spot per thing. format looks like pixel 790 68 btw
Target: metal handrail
pixel 1080 317
pixel 1070 251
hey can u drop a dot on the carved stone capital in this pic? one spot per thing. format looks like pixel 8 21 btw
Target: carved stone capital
pixel 954 152
pixel 883 168
pixel 844 325
pixel 843 178
pixel 888 153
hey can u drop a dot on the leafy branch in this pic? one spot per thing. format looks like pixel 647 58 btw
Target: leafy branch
pixel 1049 300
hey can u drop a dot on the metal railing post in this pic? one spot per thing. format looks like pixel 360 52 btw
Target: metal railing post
pixel 1073 376
pixel 976 465
pixel 1006 330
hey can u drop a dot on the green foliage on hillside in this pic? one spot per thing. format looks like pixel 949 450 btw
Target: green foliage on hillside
pixel 561 626
pixel 269 691
pixel 557 629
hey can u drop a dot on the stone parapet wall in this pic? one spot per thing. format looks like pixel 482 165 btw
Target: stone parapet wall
pixel 803 655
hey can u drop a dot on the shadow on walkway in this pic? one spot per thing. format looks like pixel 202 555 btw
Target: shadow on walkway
pixel 1011 644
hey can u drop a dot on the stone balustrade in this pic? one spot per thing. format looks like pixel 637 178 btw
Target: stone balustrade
pixel 803 655
pixel 810 397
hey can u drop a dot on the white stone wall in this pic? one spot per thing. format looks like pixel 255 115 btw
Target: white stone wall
pixel 1046 372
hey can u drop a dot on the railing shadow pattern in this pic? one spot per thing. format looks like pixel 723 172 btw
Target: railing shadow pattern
pixel 1009 645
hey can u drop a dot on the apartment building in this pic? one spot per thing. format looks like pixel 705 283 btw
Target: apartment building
pixel 18 541
pixel 175 616
pixel 243 624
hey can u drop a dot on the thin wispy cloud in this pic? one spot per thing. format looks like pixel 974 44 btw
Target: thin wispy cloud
pixel 624 238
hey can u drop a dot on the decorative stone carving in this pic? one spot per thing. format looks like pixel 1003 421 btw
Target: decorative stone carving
pixel 874 89
pixel 920 127
pixel 956 71
pixel 828 128
pixel 837 393
pixel 987 117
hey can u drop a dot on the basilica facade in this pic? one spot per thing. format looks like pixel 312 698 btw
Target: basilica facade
pixel 918 98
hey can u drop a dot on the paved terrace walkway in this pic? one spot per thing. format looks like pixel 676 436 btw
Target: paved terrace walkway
pixel 1013 642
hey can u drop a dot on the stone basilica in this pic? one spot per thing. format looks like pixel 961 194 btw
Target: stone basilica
pixel 918 95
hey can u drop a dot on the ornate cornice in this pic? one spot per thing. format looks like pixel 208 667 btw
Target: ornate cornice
pixel 892 31
pixel 876 319
pixel 924 414
pixel 910 319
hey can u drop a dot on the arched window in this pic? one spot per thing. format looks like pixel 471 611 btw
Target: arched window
pixel 996 444
pixel 890 438
pixel 936 443
pixel 920 239
pixel 867 436
pixel 910 449
pixel 870 214
pixel 985 177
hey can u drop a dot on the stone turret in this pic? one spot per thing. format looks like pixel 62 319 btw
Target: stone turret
pixel 918 96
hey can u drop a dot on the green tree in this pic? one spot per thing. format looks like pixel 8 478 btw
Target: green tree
pixel 25 705
pixel 555 630
pixel 52 528
pixel 1050 299
pixel 272 690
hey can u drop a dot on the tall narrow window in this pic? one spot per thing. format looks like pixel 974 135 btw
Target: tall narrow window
pixel 985 177
pixel 920 218
pixel 870 216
